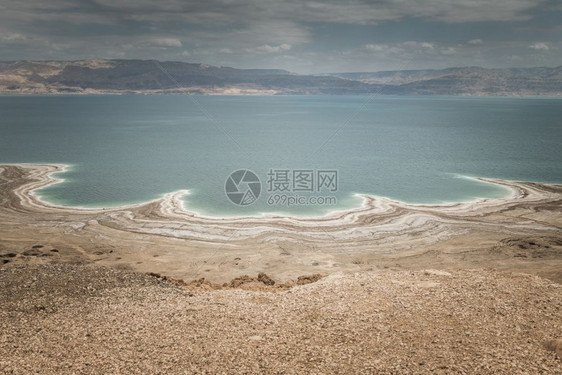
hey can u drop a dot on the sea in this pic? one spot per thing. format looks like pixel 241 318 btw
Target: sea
pixel 287 155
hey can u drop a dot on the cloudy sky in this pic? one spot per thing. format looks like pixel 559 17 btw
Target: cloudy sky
pixel 298 35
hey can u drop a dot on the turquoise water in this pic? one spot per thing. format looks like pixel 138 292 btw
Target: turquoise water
pixel 127 149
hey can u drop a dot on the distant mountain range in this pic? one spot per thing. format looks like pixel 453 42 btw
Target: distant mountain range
pixel 148 76
pixel 465 81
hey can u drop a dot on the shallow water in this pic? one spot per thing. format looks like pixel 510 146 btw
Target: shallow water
pixel 126 149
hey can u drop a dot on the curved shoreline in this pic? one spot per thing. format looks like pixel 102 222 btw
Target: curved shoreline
pixel 170 205
pixel 179 194
pixel 161 236
pixel 49 180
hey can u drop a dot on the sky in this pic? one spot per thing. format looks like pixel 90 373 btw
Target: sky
pixel 299 36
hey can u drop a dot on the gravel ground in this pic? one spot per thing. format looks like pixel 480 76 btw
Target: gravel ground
pixel 63 319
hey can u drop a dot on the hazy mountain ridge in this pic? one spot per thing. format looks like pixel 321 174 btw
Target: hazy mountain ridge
pixel 147 76
pixel 465 81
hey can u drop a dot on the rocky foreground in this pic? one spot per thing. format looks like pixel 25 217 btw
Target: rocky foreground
pixel 64 318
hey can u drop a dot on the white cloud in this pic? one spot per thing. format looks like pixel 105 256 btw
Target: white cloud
pixel 167 42
pixel 273 33
pixel 448 51
pixel 375 47
pixel 361 11
pixel 266 48
pixel 349 12
pixel 399 48
pixel 12 37
pixel 270 31
pixel 383 48
pixel 540 46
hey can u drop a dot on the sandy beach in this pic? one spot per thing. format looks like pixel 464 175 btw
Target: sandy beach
pixel 470 287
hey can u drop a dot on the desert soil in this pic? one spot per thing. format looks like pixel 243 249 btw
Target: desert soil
pixel 461 288
pixel 62 319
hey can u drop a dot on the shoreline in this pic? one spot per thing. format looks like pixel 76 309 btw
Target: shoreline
pixel 161 236
pixel 510 193
pixel 171 203
pixel 93 92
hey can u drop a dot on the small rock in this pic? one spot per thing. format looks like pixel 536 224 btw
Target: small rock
pixel 32 253
pixel 437 273
pixel 308 279
pixel 262 277
pixel 554 346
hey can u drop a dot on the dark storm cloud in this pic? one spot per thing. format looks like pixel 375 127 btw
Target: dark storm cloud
pixel 296 35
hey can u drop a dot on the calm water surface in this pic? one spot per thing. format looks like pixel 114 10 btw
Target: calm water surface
pixel 126 149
